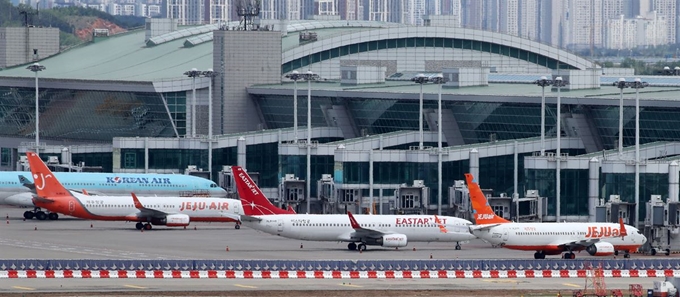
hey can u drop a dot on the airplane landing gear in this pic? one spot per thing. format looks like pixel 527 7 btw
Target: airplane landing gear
pixel 352 246
pixel 237 226
pixel 569 255
pixel 458 246
pixel 28 215
pixel 361 247
pixel 539 255
pixel 40 215
pixel 626 255
pixel 139 226
pixel 147 226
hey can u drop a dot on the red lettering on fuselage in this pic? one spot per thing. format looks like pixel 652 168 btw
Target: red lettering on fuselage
pixel 416 221
pixel 602 231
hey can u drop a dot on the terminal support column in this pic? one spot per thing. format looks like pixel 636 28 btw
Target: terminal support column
pixel 593 187
pixel 241 152
pixel 474 163
pixel 673 180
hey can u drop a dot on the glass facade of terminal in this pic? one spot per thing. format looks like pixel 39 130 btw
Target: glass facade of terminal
pixel 90 115
pixel 623 184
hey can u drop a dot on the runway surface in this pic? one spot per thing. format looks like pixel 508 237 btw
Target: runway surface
pixel 150 285
pixel 69 238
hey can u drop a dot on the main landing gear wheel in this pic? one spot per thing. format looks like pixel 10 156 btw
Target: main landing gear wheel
pixel 616 253
pixel 139 226
pixel 352 246
pixel 626 255
pixel 147 226
pixel 569 256
pixel 237 226
pixel 361 247
pixel 28 215
pixel 652 252
pixel 538 255
pixel 668 252
pixel 53 216
pixel 41 215
pixel 458 246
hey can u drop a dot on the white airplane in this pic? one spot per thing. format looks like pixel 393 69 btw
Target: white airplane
pixel 358 230
pixel 598 239
pixel 168 211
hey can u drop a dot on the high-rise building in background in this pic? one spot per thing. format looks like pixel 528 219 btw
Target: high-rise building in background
pixel 572 24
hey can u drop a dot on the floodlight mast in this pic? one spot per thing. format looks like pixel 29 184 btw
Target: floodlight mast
pixel 35 67
pixel 295 76
pixel 193 73
pixel 559 83
pixel 420 79
pixel 543 82
pixel 439 80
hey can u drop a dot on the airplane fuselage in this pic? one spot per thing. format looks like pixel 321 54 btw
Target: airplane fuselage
pixel 121 208
pixel 547 237
pixel 419 228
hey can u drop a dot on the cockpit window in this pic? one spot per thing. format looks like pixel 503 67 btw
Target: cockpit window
pixel 638 231
pixel 213 185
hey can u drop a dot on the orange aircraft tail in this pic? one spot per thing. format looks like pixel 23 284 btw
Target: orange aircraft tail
pixel 46 185
pixel 253 201
pixel 483 214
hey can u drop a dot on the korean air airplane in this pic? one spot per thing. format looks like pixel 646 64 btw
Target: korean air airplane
pixel 16 187
pixel 358 230
pixel 598 239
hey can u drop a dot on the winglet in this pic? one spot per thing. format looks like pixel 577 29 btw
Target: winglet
pixel 622 232
pixel 353 221
pixel 85 192
pixel 138 204
pixel 291 210
pixel 442 228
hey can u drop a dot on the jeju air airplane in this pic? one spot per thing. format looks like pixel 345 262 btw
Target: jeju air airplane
pixel 598 239
pixel 19 192
pixel 146 211
pixel 358 230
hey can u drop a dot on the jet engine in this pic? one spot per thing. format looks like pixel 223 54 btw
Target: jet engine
pixel 173 220
pixel 393 240
pixel 600 249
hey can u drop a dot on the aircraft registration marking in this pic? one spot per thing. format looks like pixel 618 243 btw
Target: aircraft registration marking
pixel 135 287
pixel 23 288
pixel 245 286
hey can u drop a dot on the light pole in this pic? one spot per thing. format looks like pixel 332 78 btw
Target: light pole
pixel 637 85
pixel 295 76
pixel 210 74
pixel 193 73
pixel 558 83
pixel 543 82
pixel 309 77
pixel 621 84
pixel 439 80
pixel 35 67
pixel 420 79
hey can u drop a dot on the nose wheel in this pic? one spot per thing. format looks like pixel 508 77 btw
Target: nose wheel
pixel 458 246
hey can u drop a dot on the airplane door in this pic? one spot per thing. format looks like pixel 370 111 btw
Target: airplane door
pixel 280 225
pixel 506 234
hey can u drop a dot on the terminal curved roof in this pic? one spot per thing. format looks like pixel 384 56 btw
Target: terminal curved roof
pixel 128 57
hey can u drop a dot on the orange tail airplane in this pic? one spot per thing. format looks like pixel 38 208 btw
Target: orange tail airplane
pixel 168 211
pixel 598 239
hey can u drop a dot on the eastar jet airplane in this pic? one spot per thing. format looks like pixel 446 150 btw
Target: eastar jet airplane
pixel 598 239
pixel 168 211
pixel 16 187
pixel 358 230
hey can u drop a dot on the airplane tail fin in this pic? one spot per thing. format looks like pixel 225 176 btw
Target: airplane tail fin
pixel 483 214
pixel 253 201
pixel 46 184
pixel 623 232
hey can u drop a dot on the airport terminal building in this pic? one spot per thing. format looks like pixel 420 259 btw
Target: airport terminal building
pixel 129 107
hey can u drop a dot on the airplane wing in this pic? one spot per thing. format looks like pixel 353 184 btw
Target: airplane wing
pixel 147 212
pixel 361 231
pixel 580 244
pixel 482 227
